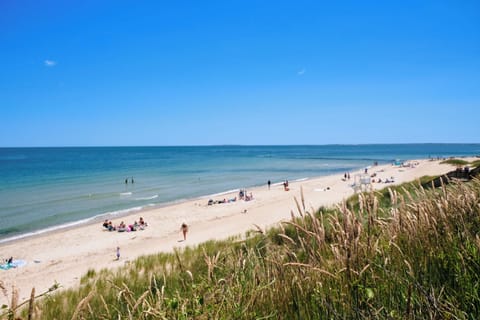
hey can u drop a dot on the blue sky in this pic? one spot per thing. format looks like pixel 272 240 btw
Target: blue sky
pixel 96 73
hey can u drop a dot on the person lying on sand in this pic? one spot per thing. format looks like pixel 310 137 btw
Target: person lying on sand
pixel 212 202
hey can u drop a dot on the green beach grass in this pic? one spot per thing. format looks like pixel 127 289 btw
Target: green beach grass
pixel 456 162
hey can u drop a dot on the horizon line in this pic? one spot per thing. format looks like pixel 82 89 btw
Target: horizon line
pixel 239 145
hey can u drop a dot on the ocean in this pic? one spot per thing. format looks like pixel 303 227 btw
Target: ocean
pixel 43 189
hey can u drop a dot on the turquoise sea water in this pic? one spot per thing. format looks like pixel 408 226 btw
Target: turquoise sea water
pixel 48 188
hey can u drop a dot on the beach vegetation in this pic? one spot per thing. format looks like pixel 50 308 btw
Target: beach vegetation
pixel 455 162
pixel 90 274
pixel 405 252
pixel 384 196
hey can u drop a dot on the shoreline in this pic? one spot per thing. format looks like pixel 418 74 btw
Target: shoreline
pixel 65 255
pixel 127 212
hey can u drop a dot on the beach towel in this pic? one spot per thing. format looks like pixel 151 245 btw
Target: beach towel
pixel 13 264
pixel 5 266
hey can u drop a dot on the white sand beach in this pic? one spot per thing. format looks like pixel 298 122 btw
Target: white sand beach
pixel 65 256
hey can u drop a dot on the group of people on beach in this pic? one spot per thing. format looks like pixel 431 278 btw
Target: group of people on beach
pixel 346 176
pixel 285 185
pixel 380 180
pixel 224 200
pixel 242 195
pixel 387 180
pixel 122 227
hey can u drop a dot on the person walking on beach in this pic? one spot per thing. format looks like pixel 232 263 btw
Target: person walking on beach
pixel 269 183
pixel 184 229
pixel 126 181
pixel 118 253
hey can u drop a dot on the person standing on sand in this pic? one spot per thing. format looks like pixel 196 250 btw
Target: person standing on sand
pixel 118 253
pixel 269 183
pixel 184 229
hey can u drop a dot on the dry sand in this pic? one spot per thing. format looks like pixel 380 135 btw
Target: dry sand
pixel 64 256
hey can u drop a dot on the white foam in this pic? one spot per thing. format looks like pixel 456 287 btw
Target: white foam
pixel 125 193
pixel 121 212
pixel 301 179
pixel 147 198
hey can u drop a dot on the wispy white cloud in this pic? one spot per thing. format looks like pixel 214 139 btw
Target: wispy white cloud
pixel 50 63
pixel 301 72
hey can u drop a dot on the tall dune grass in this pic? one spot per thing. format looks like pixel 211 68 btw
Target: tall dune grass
pixel 415 257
